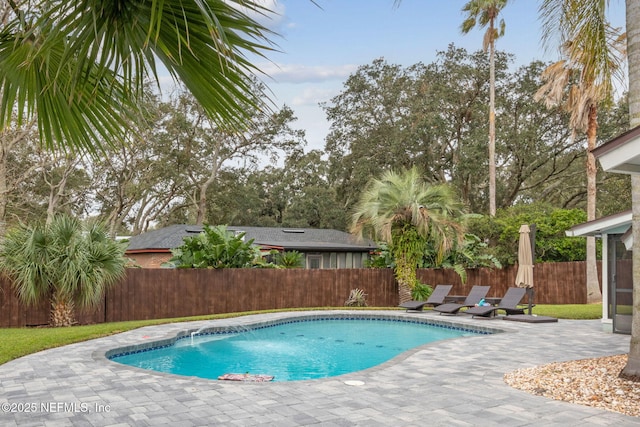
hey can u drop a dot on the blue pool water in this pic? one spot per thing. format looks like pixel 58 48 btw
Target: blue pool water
pixel 291 351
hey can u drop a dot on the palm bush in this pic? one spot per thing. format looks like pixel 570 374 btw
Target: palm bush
pixel 288 259
pixel 408 214
pixel 66 261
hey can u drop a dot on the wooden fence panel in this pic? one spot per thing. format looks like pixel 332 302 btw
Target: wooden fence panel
pixel 167 293
pixel 9 306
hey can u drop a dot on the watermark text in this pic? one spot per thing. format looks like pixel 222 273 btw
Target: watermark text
pixel 53 407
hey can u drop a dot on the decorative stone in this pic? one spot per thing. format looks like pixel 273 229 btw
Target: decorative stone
pixel 589 382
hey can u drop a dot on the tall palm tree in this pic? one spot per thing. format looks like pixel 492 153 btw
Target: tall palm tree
pixel 484 13
pixel 406 213
pixel 593 52
pixel 632 369
pixel 64 261
pixel 79 66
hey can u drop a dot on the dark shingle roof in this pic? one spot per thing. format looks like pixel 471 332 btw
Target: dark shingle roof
pixel 302 239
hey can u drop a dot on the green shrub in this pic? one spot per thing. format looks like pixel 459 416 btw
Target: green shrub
pixel 501 233
pixel 288 259
pixel 381 258
pixel 215 247
pixel 421 292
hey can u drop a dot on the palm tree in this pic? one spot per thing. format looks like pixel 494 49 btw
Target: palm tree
pixel 484 13
pixel 593 52
pixel 64 261
pixel 79 66
pixel 406 213
pixel 632 369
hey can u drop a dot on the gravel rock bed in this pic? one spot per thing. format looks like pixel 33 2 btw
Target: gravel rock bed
pixel 590 382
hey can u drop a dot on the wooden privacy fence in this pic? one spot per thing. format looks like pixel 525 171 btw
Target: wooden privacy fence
pixel 166 293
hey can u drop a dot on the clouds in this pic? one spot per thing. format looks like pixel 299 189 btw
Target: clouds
pixel 313 96
pixel 271 15
pixel 306 85
pixel 298 73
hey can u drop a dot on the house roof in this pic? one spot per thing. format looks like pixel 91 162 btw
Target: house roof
pixel 621 154
pixel 301 239
pixel 612 224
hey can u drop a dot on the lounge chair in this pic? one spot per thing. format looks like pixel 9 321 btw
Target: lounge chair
pixel 436 298
pixel 475 295
pixel 509 304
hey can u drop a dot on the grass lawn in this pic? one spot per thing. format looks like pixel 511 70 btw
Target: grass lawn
pixel 18 342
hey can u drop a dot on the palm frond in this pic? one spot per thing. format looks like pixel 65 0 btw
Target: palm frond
pixel 80 65
pixel 587 40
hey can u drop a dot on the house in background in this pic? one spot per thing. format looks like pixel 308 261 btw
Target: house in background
pixel 321 248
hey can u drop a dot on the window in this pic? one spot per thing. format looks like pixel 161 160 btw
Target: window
pixel 314 261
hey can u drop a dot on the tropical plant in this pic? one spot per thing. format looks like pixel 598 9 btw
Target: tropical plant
pixel 357 298
pixel 100 53
pixel 484 13
pixel 403 211
pixel 215 247
pixel 289 259
pixel 471 252
pixel 421 292
pixel 594 53
pixel 66 261
pixel 381 257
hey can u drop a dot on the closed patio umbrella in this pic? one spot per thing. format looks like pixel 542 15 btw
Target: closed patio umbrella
pixel 524 276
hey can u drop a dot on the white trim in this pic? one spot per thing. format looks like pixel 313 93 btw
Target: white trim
pixel 612 224
pixel 621 154
pixel 605 278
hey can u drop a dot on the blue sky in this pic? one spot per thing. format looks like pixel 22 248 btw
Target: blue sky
pixel 322 46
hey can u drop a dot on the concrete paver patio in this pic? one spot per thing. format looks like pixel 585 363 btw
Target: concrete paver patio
pixel 455 382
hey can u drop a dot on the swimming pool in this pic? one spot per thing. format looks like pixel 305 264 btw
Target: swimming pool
pixel 291 350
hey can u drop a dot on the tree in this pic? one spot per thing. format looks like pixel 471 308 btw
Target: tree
pixel 432 116
pixel 176 162
pixel 404 212
pixel 71 263
pixel 632 369
pixel 614 190
pixel 10 141
pixel 100 52
pixel 205 149
pixel 134 182
pixel 484 13
pixel 388 117
pixel 593 52
pixel 297 194
pixel 538 159
pixel 501 232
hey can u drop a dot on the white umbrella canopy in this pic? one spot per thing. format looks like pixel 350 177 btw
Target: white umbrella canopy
pixel 524 277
